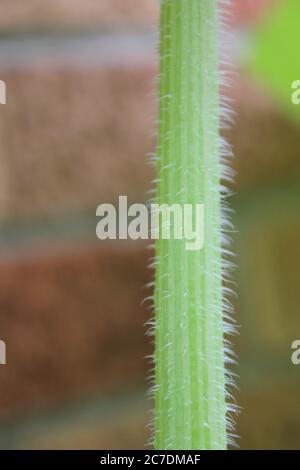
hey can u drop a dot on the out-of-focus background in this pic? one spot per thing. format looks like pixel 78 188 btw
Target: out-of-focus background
pixel 76 131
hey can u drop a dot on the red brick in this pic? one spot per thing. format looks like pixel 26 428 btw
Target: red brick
pixel 73 325
pixel 72 139
pixel 91 14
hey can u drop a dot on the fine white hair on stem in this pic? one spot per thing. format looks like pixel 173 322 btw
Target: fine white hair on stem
pixel 228 266
pixel 226 117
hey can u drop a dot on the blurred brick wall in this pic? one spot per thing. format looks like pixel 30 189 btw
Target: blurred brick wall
pixel 72 137
pixel 90 14
pixel 93 14
pixel 75 138
pixel 73 325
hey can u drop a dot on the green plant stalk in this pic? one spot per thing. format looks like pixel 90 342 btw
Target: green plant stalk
pixel 190 408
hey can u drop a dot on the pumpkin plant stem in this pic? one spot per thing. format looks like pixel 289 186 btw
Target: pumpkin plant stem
pixel 190 409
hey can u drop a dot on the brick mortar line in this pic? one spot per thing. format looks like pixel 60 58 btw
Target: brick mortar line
pixel 108 49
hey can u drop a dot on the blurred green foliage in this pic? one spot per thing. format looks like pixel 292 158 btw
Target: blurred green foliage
pixel 276 53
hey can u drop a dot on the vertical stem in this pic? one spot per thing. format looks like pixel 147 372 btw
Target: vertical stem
pixel 189 351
